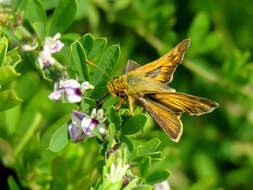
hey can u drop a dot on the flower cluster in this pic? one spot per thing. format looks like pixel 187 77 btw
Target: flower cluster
pixel 83 124
pixel 115 170
pixel 70 89
pixel 51 46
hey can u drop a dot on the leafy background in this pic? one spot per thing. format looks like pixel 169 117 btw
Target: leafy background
pixel 216 150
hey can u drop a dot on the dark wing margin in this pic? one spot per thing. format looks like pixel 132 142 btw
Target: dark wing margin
pixel 163 68
pixel 169 121
pixel 131 66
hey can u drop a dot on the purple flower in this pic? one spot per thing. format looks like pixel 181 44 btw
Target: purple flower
pixel 45 59
pixel 51 46
pixel 70 89
pixel 95 120
pixel 83 124
pixel 75 130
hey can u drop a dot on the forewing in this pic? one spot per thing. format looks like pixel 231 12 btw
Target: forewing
pixel 143 85
pixel 169 121
pixel 179 103
pixel 163 68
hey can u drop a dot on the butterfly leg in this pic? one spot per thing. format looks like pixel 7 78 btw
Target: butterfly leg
pixel 131 102
pixel 121 100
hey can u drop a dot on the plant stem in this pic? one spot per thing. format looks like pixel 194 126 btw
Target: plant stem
pixel 214 78
pixel 28 135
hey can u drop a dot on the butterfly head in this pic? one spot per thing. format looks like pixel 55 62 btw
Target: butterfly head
pixel 117 87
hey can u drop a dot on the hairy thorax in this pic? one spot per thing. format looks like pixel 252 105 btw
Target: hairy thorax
pixel 118 86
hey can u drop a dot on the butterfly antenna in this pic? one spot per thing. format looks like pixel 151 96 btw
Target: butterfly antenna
pixel 99 68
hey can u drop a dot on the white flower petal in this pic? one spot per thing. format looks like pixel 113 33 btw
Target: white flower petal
pixel 40 63
pixel 86 123
pixel 93 113
pixel 69 83
pixel 86 85
pixel 77 118
pixel 45 59
pixel 102 130
pixel 57 36
pixel 76 133
pixel 55 96
pixel 27 47
pixel 53 45
pixel 72 95
pixel 162 186
pixel 112 172
pixel 100 114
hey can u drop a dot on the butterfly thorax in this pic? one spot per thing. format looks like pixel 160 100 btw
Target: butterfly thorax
pixel 118 86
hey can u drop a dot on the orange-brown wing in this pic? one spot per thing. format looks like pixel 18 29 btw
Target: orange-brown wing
pixel 163 68
pixel 179 102
pixel 169 121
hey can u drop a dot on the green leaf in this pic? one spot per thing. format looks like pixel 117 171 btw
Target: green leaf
pixel 107 62
pixel 18 4
pixel 8 99
pixel 98 47
pixel 70 36
pixel 47 135
pixel 156 155
pixel 112 131
pixel 108 101
pixel 114 117
pixel 212 41
pixel 132 184
pixel 82 58
pixel 97 133
pixel 59 139
pixel 134 124
pixel 87 43
pixel 144 166
pixel 99 92
pixel 204 166
pixel 63 16
pixel 3 49
pixel 125 112
pixel 12 183
pixel 157 177
pixel 28 85
pixel 50 4
pixel 88 104
pixel 7 74
pixel 146 149
pixel 199 27
pixel 11 119
pixel 12 58
pixel 78 59
pixel 36 15
pixel 125 140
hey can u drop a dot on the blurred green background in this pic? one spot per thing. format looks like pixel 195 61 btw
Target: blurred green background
pixel 216 150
